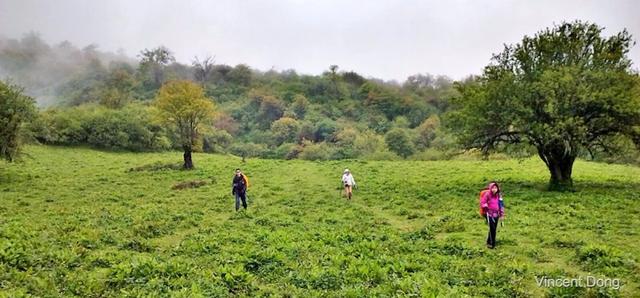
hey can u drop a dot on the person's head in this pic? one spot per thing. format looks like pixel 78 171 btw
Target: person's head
pixel 494 187
pixel 346 172
pixel 238 172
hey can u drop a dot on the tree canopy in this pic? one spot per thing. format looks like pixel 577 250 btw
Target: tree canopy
pixel 562 91
pixel 15 110
pixel 183 105
pixel 565 84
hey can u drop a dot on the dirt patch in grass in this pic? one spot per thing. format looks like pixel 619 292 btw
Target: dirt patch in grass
pixel 189 184
pixel 156 167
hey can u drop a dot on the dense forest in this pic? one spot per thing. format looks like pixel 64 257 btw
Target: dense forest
pixel 88 97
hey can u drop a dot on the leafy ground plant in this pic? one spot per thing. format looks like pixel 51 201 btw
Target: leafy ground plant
pixel 75 222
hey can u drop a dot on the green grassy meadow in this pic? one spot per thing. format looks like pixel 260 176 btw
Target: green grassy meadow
pixel 80 222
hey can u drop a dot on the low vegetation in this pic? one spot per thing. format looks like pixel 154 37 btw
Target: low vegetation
pixel 78 222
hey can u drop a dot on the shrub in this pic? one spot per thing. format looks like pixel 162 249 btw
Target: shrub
pixel 316 151
pixel 601 258
pixel 60 127
pixel 367 143
pixel 285 130
pixel 287 151
pixel 325 130
pixel 130 128
pixel 217 142
pixel 248 149
pixel 399 141
pixel 430 154
pixel 426 132
pixel 381 155
pixel 16 109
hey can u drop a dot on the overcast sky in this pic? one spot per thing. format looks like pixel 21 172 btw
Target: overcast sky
pixel 383 39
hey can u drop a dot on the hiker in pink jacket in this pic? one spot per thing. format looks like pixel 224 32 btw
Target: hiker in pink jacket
pixel 493 207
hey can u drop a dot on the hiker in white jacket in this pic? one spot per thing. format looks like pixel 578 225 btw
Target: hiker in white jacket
pixel 348 182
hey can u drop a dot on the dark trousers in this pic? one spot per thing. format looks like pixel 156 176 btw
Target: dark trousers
pixel 493 227
pixel 241 195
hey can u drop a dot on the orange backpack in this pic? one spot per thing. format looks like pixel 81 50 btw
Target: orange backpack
pixel 483 212
pixel 246 180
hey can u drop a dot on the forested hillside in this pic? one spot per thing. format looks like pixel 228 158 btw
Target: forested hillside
pixel 104 100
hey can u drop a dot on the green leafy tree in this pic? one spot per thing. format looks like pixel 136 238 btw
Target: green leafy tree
pixel 300 106
pixel 325 130
pixel 564 90
pixel 345 140
pixel 183 105
pixel 381 99
pixel 353 78
pixel 401 122
pixel 225 122
pixel 426 132
pixel 271 109
pixel 153 64
pixel 367 143
pixel 117 88
pixel 334 77
pixel 399 141
pixel 285 130
pixel 241 75
pixel 16 109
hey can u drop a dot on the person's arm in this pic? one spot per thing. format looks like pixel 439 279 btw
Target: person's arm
pixel 501 204
pixel 233 187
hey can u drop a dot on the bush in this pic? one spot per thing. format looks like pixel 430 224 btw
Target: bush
pixel 248 149
pixel 60 127
pixel 325 130
pixel 368 143
pixel 285 130
pixel 399 141
pixel 16 109
pixel 217 142
pixel 316 151
pixel 270 110
pixel 603 259
pixel 381 155
pixel 287 151
pixel 430 154
pixel 345 139
pixel 426 132
pixel 443 141
pixel 299 106
pixel 130 128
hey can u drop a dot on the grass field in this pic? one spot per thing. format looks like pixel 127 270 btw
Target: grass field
pixel 91 223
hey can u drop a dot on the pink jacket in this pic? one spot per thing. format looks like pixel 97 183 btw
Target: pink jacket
pixel 492 203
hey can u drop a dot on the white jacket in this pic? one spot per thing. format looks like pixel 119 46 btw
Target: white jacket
pixel 348 180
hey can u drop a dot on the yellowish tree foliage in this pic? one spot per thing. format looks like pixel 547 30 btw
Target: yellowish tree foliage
pixel 183 105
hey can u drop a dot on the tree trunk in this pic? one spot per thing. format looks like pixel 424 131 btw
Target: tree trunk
pixel 561 175
pixel 188 162
pixel 560 167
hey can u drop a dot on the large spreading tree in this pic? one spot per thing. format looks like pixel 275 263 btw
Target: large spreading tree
pixel 183 105
pixel 16 109
pixel 564 91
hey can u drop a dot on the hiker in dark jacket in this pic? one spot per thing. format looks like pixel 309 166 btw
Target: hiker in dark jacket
pixel 239 189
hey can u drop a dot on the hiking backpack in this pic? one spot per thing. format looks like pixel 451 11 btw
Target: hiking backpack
pixel 246 180
pixel 482 211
